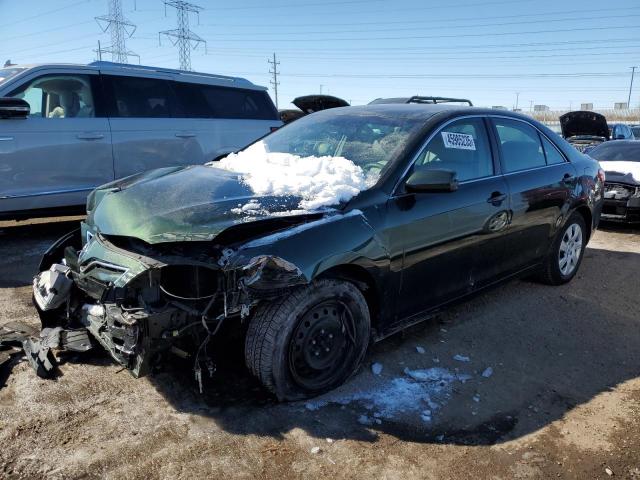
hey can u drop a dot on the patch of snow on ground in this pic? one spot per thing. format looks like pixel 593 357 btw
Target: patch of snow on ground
pixel 487 372
pixel 419 392
pixel 461 358
pixel 376 368
pixel 320 181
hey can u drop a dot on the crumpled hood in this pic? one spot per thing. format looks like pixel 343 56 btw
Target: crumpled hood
pixel 621 171
pixel 180 204
pixel 583 122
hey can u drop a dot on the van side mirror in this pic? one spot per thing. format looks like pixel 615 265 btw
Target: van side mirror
pixel 13 108
pixel 426 180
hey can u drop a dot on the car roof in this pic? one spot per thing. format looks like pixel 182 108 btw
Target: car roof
pixel 149 71
pixel 426 110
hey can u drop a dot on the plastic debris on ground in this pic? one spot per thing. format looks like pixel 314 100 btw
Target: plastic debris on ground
pixel 420 350
pixel 487 372
pixel 461 358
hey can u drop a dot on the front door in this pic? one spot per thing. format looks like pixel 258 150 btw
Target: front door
pixel 62 151
pixel 446 239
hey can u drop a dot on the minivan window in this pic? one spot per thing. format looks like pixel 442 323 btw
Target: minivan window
pixel 58 96
pixel 239 103
pixel 461 146
pixel 137 97
pixel 520 145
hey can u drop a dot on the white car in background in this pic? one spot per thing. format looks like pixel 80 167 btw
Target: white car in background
pixel 66 129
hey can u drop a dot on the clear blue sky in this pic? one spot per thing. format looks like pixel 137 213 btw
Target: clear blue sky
pixel 549 51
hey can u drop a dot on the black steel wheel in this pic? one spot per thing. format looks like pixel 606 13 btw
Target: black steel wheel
pixel 309 341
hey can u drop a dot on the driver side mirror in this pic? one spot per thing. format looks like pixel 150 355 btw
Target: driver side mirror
pixel 425 180
pixel 13 108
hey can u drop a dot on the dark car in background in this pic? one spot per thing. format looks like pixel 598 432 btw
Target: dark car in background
pixel 621 131
pixel 448 201
pixel 620 160
pixel 584 129
pixel 310 104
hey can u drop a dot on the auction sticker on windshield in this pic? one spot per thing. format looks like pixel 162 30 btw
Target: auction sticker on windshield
pixel 460 141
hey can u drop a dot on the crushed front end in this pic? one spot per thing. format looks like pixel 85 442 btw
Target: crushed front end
pixel 143 302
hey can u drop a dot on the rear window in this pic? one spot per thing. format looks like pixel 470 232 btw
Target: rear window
pixel 209 101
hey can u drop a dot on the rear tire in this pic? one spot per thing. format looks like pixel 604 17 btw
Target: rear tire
pixel 564 258
pixel 310 340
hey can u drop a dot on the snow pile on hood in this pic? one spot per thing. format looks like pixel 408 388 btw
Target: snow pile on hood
pixel 418 392
pixel 622 167
pixel 320 181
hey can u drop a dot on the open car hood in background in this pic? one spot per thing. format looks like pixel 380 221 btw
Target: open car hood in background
pixel 315 103
pixel 584 123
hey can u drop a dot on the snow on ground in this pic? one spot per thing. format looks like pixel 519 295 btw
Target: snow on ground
pixel 420 393
pixel 320 181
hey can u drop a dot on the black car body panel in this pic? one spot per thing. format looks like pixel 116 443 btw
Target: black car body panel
pixel 164 251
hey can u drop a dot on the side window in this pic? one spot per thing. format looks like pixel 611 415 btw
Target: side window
pixel 137 97
pixel 551 152
pixel 239 103
pixel 520 145
pixel 58 96
pixel 192 101
pixel 461 146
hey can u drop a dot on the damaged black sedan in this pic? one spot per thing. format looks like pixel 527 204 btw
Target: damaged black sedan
pixel 335 231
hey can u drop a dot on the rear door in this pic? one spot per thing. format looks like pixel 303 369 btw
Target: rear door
pixel 541 182
pixel 450 242
pixel 56 156
pixel 225 119
pixel 146 130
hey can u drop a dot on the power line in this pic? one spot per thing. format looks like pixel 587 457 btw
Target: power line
pixel 434 27
pixel 274 71
pixel 48 12
pixel 431 37
pixel 120 29
pixel 183 37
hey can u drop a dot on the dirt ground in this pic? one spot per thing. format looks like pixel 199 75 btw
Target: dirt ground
pixel 561 400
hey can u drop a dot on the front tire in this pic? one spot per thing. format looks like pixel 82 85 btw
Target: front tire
pixel 563 261
pixel 310 340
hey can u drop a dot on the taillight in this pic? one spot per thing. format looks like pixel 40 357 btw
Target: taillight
pixel 273 129
pixel 601 175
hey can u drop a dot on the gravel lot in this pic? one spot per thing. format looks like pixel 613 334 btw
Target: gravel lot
pixel 562 399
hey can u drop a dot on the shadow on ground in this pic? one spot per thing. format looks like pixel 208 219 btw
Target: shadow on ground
pixel 551 349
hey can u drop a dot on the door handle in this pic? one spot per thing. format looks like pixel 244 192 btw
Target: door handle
pixel 185 135
pixel 90 136
pixel 497 198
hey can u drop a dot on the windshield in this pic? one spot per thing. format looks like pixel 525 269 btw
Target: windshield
pixel 370 141
pixel 325 158
pixel 612 151
pixel 7 73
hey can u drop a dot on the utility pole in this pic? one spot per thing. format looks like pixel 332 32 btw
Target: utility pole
pixel 633 71
pixel 517 98
pixel 321 88
pixel 183 37
pixel 531 105
pixel 120 29
pixel 274 71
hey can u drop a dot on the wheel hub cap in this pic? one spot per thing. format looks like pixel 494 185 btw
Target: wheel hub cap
pixel 570 249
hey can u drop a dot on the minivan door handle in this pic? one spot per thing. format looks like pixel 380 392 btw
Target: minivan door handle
pixel 185 135
pixel 89 136
pixel 497 198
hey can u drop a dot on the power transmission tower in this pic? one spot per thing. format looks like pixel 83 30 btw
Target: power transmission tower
pixel 274 64
pixel 120 29
pixel 182 37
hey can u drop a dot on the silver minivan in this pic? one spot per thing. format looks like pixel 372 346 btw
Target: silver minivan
pixel 87 125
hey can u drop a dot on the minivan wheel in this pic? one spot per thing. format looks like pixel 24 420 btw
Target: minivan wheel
pixel 310 340
pixel 564 259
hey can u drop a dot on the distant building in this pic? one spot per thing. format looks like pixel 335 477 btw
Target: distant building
pixel 621 106
pixel 586 106
pixel 541 108
pixel 499 107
